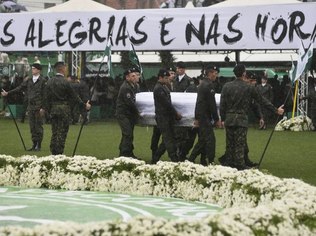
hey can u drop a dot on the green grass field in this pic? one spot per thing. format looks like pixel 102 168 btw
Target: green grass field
pixel 289 154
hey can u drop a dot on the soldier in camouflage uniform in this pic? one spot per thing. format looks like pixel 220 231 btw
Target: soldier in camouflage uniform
pixel 34 88
pixel 58 97
pixel 127 113
pixel 235 102
pixel 205 113
pixel 166 115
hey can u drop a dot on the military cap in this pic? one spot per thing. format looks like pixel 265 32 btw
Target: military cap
pixel 250 75
pixel 181 64
pixel 163 72
pixel 128 71
pixel 37 66
pixel 239 69
pixel 211 67
pixel 171 69
pixel 59 63
pixel 135 69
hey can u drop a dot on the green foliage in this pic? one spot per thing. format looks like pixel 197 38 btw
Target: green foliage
pixel 3 162
pixel 167 59
pixel 125 62
pixel 309 221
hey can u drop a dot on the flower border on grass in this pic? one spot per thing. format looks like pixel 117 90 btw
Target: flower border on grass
pixel 298 123
pixel 255 203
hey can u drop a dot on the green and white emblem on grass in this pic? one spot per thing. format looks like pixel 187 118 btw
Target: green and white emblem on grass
pixel 29 207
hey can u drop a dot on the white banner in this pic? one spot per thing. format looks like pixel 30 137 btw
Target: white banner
pixel 209 28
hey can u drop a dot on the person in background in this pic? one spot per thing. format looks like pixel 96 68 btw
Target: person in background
pixel 312 99
pixel 166 116
pixel 236 98
pixel 181 81
pixel 34 88
pixel 266 90
pixel 127 113
pixel 205 113
pixel 36 60
pixel 57 100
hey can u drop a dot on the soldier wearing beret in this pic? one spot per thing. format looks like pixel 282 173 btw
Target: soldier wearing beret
pixel 205 113
pixel 34 88
pixel 166 115
pixel 236 99
pixel 59 95
pixel 127 112
pixel 156 132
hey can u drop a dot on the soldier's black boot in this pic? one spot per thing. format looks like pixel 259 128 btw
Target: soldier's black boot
pixel 33 147
pixel 192 159
pixel 249 163
pixel 38 146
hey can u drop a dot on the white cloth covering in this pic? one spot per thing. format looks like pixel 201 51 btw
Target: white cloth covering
pixel 184 103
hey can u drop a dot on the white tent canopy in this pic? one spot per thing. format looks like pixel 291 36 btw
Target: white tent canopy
pixel 79 5
pixel 232 3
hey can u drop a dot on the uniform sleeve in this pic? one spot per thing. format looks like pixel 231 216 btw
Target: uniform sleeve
pixel 262 100
pixel 223 106
pixel 73 96
pixel 164 101
pixel 213 105
pixel 21 87
pixel 129 99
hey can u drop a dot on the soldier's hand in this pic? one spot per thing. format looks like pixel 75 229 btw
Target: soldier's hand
pixel 223 124
pixel 88 105
pixel 4 93
pixel 42 112
pixel 218 124
pixel 280 110
pixel 178 116
pixel 195 124
pixel 261 123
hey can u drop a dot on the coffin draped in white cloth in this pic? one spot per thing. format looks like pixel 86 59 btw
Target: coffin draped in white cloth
pixel 184 103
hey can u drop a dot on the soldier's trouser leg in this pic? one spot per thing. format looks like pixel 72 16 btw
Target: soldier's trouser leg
pixel 207 139
pixel 158 153
pixel 167 132
pixel 197 149
pixel 235 144
pixel 36 126
pixel 60 127
pixel 127 129
pixel 189 142
pixel 155 139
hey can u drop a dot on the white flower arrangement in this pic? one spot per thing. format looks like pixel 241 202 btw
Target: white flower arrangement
pixel 255 203
pixel 298 123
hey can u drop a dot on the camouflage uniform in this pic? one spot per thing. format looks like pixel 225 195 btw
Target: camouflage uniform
pixel 205 112
pixel 165 118
pixel 35 95
pixel 75 111
pixel 127 115
pixel 58 97
pixel 236 99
